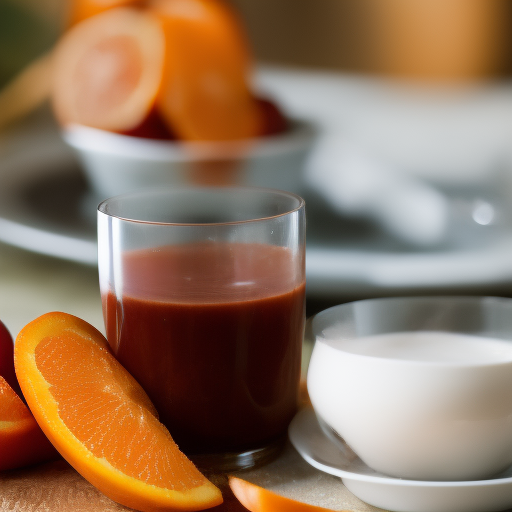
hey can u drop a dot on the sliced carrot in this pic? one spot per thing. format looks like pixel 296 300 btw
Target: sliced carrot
pixel 258 499
pixel 108 70
pixel 79 10
pixel 100 419
pixel 22 442
pixel 205 93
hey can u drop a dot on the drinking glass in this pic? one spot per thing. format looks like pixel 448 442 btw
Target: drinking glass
pixel 203 301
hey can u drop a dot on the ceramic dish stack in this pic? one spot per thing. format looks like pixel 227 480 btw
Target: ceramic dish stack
pixel 411 402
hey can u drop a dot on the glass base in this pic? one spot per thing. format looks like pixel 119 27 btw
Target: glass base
pixel 237 461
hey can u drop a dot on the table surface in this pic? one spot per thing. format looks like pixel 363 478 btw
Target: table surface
pixel 55 486
pixel 31 285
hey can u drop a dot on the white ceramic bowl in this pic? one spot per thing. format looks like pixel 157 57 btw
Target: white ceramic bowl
pixel 419 388
pixel 115 164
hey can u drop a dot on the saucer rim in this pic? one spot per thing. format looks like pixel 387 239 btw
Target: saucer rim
pixel 308 415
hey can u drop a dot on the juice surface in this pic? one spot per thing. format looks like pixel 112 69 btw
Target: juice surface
pixel 213 332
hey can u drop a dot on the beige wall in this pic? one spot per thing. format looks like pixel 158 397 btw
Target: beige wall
pixel 452 39
pixel 323 33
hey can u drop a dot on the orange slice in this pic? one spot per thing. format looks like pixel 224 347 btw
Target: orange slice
pixel 22 442
pixel 257 499
pixel 100 419
pixel 79 10
pixel 108 70
pixel 205 93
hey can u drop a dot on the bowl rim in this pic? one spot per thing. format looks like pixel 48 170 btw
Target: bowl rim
pixel 316 324
pixel 85 139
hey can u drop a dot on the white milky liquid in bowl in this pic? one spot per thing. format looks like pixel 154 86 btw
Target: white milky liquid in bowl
pixel 427 346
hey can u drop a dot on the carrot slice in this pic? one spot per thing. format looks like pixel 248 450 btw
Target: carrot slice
pixel 205 93
pixel 108 70
pixel 258 499
pixel 22 442
pixel 101 420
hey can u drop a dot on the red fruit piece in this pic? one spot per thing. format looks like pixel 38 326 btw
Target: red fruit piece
pixel 153 127
pixel 7 358
pixel 274 121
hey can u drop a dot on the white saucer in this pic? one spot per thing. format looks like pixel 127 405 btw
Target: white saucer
pixel 392 493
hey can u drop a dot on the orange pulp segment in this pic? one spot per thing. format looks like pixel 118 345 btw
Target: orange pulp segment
pixel 258 499
pixel 21 440
pixel 108 70
pixel 79 10
pixel 101 420
pixel 205 93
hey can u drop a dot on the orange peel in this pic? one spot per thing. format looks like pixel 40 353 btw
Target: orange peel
pixel 101 420
pixel 257 499
pixel 79 10
pixel 205 93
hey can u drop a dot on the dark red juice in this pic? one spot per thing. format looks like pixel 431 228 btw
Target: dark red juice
pixel 213 333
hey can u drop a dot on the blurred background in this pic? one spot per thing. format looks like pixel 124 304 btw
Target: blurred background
pixel 408 184
pixel 425 40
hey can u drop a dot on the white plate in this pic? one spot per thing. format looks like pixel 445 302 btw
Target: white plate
pixel 43 195
pixel 392 493
pixel 47 207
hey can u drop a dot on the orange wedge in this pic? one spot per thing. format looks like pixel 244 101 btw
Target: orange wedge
pixel 108 70
pixel 100 419
pixel 205 93
pixel 79 10
pixel 257 499
pixel 22 442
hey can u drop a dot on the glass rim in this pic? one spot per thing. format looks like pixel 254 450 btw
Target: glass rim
pixel 175 190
